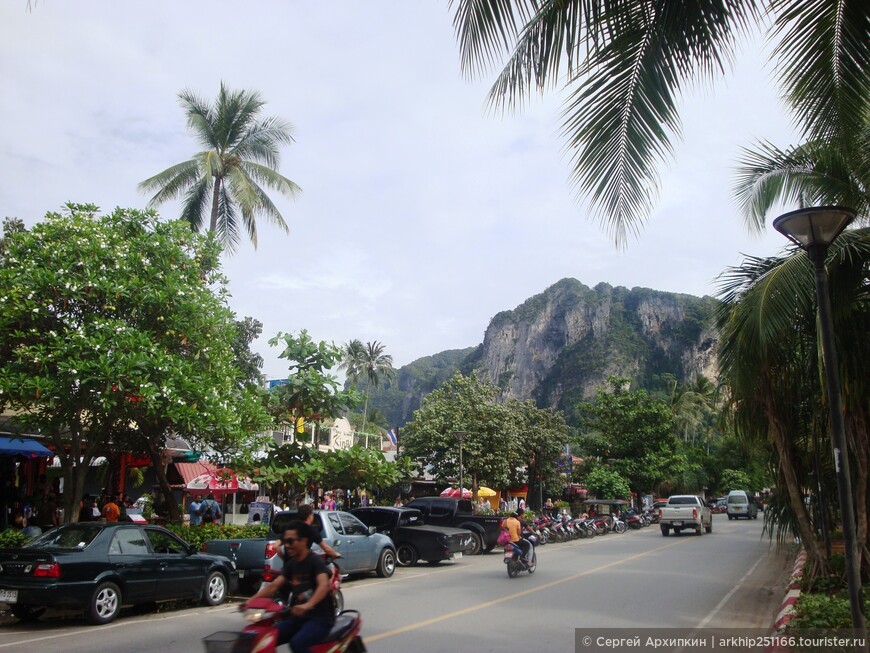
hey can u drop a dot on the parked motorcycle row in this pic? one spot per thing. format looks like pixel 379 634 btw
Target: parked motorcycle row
pixel 562 528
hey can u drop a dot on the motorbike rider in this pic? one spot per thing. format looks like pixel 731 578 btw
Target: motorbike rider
pixel 306 514
pixel 312 615
pixel 515 525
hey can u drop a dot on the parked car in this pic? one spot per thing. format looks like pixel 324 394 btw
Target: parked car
pixel 414 539
pixel 98 568
pixel 361 547
pixel 459 513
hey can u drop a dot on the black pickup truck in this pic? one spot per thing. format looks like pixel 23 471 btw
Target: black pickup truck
pixel 414 539
pixel 459 513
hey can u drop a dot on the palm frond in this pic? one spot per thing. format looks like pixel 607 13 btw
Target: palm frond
pixel 227 229
pixel 486 28
pixel 272 179
pixel 260 143
pixel 620 119
pixel 200 118
pixel 823 53
pixel 171 182
pixel 195 206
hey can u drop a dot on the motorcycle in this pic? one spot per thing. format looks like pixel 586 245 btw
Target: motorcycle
pixel 261 633
pixel 513 558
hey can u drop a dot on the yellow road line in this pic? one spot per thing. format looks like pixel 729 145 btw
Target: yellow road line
pixel 512 596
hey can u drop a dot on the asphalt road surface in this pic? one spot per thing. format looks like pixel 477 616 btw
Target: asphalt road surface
pixel 731 577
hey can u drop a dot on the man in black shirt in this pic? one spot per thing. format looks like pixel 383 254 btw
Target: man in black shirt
pixel 306 514
pixel 305 572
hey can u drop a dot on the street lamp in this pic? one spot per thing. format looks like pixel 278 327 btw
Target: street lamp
pixel 814 229
pixel 460 435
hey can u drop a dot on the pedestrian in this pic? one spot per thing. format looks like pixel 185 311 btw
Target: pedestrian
pixel 502 505
pixel 111 511
pixel 521 505
pixel 398 502
pixel 86 509
pixel 211 511
pixel 194 509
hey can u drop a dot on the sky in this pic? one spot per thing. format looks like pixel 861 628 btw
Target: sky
pixel 422 212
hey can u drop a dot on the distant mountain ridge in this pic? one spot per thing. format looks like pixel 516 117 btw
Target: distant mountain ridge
pixel 557 347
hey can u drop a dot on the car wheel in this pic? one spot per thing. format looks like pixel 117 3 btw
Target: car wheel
pixel 26 613
pixel 406 555
pixel 338 602
pixel 709 527
pixel 215 590
pixel 386 563
pixel 665 530
pixel 105 604
pixel 476 544
pixel 699 531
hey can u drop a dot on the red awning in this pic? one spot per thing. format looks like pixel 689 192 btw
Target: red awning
pixel 189 471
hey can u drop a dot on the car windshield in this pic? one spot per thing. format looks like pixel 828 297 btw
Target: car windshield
pixel 737 499
pixel 682 501
pixel 73 536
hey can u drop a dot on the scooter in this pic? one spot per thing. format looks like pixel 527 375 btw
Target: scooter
pixel 261 633
pixel 513 558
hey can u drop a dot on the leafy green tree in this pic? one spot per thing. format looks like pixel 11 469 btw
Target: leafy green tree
pixel 114 330
pixel 605 483
pixel 735 479
pixel 367 362
pixel 226 179
pixel 635 432
pixel 311 393
pixel 625 64
pixel 544 434
pixel 493 450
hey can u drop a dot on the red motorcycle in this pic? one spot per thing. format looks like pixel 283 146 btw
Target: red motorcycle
pixel 261 633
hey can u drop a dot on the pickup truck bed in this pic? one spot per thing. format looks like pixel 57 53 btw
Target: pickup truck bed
pixel 459 513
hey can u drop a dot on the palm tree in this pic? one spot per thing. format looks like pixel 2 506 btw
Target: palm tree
pixel 625 63
pixel 367 362
pixel 226 179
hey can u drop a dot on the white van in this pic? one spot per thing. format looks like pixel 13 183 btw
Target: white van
pixel 741 504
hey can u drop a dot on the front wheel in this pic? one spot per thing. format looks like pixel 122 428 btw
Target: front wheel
pixel 215 589
pixel 709 527
pixel 406 555
pixel 105 604
pixel 619 527
pixel 386 563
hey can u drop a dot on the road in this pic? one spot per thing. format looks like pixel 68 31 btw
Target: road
pixel 729 578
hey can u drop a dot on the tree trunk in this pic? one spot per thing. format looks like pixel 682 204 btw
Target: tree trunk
pixel 807 534
pixel 156 453
pixel 857 432
pixel 215 199
pixel 365 413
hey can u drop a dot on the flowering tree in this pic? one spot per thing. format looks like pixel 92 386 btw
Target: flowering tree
pixel 114 331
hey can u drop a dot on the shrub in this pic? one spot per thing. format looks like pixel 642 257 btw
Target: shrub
pixel 197 536
pixel 11 538
pixel 824 611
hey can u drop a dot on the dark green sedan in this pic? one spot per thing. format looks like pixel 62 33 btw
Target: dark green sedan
pixel 98 568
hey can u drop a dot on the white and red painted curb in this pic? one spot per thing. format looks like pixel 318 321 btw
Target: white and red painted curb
pixel 786 610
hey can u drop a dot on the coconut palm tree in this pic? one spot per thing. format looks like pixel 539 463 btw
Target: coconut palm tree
pixel 225 180
pixel 624 65
pixel 367 362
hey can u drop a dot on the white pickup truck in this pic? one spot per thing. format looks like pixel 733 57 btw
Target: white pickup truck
pixel 685 511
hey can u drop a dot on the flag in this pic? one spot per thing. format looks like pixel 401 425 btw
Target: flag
pixel 391 434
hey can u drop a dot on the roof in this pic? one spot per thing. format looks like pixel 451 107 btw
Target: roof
pixel 190 471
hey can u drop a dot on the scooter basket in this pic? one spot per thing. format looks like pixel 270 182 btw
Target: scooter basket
pixel 228 642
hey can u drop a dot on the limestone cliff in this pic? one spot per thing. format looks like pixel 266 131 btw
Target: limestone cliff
pixel 559 346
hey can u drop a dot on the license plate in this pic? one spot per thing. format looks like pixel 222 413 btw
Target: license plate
pixel 241 573
pixel 678 523
pixel 8 596
pixel 457 555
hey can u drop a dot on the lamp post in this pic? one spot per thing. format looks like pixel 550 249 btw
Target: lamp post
pixel 460 435
pixel 814 229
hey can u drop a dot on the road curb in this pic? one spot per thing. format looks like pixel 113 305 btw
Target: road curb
pixel 786 610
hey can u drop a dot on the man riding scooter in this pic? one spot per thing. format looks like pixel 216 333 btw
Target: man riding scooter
pixel 515 525
pixel 306 573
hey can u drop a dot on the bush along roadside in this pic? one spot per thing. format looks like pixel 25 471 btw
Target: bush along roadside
pixel 824 603
pixel 12 538
pixel 197 536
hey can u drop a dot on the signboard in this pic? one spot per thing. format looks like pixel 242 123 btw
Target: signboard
pixel 259 512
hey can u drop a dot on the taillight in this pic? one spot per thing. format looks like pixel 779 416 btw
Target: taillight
pixel 47 570
pixel 272 547
pixel 269 575
pixel 694 513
